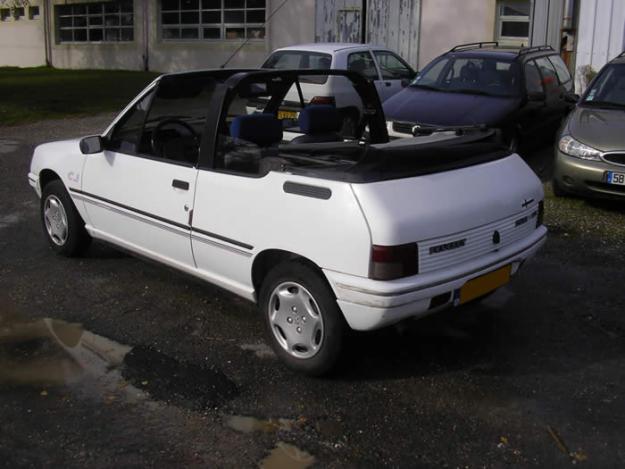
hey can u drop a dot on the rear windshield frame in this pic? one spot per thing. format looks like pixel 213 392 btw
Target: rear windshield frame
pixel 315 80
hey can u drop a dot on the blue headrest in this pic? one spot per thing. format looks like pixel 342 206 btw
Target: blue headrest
pixel 319 118
pixel 261 129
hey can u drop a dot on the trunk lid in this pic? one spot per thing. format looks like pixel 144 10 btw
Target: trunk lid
pixel 440 207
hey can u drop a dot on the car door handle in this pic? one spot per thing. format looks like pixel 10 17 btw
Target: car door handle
pixel 178 184
pixel 388 83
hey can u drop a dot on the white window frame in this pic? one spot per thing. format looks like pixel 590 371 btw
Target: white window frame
pixel 501 19
pixel 222 26
pixel 102 26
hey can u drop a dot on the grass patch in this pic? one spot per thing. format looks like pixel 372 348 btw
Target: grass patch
pixel 32 94
pixel 597 219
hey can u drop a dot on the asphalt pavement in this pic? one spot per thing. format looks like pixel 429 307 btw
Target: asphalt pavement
pixel 109 360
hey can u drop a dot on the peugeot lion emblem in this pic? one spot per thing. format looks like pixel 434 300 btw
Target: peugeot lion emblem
pixel 496 237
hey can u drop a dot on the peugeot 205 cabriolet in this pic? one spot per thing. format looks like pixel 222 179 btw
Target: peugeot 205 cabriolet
pixel 324 232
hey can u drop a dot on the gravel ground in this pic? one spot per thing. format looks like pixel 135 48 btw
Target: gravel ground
pixel 142 366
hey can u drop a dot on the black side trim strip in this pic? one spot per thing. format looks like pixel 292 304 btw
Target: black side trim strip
pixel 164 220
pixel 306 190
pixel 131 209
pixel 223 238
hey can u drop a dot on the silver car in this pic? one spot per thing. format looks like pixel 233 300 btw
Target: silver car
pixel 590 152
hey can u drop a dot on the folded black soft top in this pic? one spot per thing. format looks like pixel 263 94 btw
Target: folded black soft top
pixel 383 162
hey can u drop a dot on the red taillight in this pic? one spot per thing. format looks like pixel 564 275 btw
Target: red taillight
pixel 323 100
pixel 391 262
pixel 541 213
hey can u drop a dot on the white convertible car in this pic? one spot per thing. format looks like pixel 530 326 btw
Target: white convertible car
pixel 324 232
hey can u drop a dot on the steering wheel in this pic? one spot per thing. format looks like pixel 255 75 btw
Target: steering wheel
pixel 157 140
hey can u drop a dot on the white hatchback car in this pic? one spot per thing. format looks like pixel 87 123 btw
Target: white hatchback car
pixel 387 70
pixel 322 232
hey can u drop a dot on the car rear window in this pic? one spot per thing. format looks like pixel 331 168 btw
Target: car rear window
pixel 563 72
pixel 548 72
pixel 291 59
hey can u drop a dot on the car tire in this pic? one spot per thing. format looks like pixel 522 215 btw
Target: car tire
pixel 62 225
pixel 558 191
pixel 302 319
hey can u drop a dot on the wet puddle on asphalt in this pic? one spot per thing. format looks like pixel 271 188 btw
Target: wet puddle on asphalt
pixel 245 424
pixel 45 353
pixel 48 353
pixel 286 456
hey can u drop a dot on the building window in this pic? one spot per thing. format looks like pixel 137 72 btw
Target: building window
pixel 5 14
pixel 33 13
pixel 212 19
pixel 18 13
pixel 95 22
pixel 513 20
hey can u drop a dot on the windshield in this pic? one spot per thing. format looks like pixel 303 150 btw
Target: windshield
pixel 609 88
pixel 487 76
pixel 300 60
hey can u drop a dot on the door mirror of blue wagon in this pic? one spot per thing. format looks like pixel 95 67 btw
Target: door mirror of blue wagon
pixel 571 98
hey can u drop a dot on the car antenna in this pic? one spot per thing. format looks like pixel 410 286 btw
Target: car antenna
pixel 248 39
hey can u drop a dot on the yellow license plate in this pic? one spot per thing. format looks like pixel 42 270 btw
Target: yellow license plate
pixel 287 115
pixel 484 284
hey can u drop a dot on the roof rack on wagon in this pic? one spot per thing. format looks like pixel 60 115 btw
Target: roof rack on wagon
pixel 529 50
pixel 474 45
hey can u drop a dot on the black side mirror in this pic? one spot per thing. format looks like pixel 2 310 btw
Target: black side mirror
pixel 571 98
pixel 536 96
pixel 92 144
pixel 405 82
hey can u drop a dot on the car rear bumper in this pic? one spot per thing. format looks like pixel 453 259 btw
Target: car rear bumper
pixel 586 177
pixel 370 304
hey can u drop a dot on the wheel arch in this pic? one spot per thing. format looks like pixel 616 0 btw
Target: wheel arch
pixel 265 260
pixel 46 176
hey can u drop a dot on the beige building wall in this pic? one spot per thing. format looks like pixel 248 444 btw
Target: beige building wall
pixel 447 23
pixel 22 40
pixel 288 26
pixel 104 55
pixel 292 24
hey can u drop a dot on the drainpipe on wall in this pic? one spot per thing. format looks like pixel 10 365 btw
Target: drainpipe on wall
pixel 569 14
pixel 47 33
pixel 363 22
pixel 146 37
pixel 568 34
